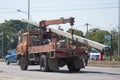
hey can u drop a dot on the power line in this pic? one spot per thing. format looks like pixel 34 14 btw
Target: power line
pixel 57 10
pixel 70 5
pixel 90 27
pixel 5 8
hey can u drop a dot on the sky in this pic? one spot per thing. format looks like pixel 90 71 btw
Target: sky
pixel 101 14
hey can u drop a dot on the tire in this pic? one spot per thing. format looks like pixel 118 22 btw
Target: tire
pixel 77 70
pixel 23 63
pixel 7 62
pixel 71 67
pixel 44 63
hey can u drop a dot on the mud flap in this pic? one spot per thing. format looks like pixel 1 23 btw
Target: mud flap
pixel 53 65
pixel 78 63
pixel 18 56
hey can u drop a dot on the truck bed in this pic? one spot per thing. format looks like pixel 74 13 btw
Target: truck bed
pixel 58 51
pixel 41 49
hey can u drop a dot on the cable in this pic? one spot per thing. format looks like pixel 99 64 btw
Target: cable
pixel 57 10
pixel 67 5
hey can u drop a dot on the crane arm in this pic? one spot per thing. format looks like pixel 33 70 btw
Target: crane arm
pixel 45 23
pixel 68 35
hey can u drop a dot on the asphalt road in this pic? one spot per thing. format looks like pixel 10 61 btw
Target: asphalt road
pixel 34 73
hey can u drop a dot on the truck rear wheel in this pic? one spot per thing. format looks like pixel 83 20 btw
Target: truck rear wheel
pixel 71 67
pixel 44 63
pixel 23 63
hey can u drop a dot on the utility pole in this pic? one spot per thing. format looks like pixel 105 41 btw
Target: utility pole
pixel 28 9
pixel 29 27
pixel 118 27
pixel 86 29
pixel 2 44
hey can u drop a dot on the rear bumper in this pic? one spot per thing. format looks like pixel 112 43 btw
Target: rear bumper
pixel 69 52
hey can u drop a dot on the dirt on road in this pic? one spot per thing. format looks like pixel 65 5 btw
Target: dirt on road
pixel 104 63
pixel 10 78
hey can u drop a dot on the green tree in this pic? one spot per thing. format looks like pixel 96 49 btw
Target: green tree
pixel 114 40
pixel 10 30
pixel 97 35
pixel 75 32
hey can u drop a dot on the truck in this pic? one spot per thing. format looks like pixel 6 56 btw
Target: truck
pixel 51 48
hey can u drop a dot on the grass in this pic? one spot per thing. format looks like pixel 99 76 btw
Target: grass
pixel 104 63
pixel 2 60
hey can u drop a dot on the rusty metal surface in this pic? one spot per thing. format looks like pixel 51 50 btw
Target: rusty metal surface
pixel 69 52
pixel 45 23
pixel 21 48
pixel 66 50
pixel 43 48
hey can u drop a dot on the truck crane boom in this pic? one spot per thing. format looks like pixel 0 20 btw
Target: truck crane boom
pixel 45 23
pixel 66 34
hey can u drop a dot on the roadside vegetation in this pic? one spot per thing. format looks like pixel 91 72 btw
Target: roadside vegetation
pixel 113 58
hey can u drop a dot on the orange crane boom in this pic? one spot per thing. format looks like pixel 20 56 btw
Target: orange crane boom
pixel 45 23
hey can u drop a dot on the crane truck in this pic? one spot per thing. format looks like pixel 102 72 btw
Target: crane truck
pixel 52 48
